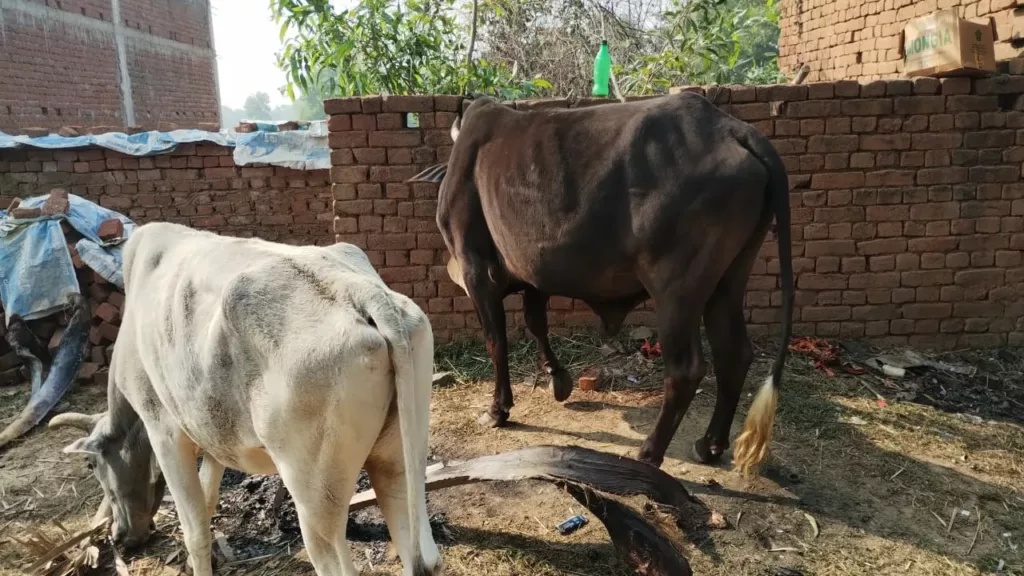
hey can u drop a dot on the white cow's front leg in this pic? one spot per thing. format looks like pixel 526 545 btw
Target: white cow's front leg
pixel 176 455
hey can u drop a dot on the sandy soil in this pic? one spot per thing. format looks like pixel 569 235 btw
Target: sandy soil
pixel 882 490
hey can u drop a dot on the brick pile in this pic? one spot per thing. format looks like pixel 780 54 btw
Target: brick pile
pixel 859 39
pixel 907 207
pixel 106 302
pixel 196 185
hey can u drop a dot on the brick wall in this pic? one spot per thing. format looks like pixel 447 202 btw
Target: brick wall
pixel 59 64
pixel 196 185
pixel 907 207
pixel 859 39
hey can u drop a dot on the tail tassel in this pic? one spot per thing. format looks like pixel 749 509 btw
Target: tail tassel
pixel 752 445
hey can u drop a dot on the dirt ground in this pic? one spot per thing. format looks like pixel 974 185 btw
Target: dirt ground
pixel 882 483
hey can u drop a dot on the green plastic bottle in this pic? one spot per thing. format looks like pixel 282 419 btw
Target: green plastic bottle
pixel 602 70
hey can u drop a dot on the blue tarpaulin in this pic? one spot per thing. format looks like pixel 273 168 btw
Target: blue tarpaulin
pixel 304 149
pixel 36 272
pixel 142 144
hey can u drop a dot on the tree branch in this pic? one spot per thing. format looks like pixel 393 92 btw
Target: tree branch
pixel 472 34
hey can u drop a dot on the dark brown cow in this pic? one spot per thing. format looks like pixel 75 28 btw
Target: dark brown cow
pixel 669 198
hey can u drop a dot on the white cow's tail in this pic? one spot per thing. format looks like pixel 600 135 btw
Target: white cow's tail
pixel 413 366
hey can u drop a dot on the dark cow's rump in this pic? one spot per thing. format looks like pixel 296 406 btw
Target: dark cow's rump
pixel 667 198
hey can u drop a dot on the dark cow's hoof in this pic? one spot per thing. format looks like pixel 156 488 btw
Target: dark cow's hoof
pixel 561 384
pixel 647 456
pixel 704 454
pixel 491 420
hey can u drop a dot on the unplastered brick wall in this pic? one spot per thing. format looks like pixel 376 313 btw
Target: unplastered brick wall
pixel 198 185
pixel 106 63
pixel 907 207
pixel 859 39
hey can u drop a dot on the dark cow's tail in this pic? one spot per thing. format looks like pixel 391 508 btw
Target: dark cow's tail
pixel 752 445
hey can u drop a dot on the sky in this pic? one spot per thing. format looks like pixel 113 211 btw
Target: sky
pixel 246 39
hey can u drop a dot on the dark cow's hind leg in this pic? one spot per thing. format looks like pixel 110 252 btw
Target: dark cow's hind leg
pixel 535 309
pixel 487 299
pixel 732 354
pixel 679 334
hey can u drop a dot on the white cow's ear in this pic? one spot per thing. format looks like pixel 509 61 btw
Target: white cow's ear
pixel 456 126
pixel 87 445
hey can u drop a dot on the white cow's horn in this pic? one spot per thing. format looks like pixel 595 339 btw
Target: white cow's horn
pixel 75 420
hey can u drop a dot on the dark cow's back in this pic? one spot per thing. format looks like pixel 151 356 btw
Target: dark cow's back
pixel 575 199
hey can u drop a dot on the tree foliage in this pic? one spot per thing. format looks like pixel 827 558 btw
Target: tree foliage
pixel 385 47
pixel 709 42
pixel 257 106
pixel 524 47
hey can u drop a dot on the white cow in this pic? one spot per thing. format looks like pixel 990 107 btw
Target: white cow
pixel 266 358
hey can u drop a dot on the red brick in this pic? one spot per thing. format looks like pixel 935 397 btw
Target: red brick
pixel 994 174
pixel 842 198
pixel 874 280
pixel 874 312
pixel 345 225
pixel 370 156
pixel 887 213
pixel 825 313
pixel 977 309
pixel 919 105
pixel 903 295
pixel 1008 258
pixel 983 278
pixel 752 111
pixel 399 138
pixel 350 139
pixel 882 246
pixel 108 313
pixel 822 281
pixel 969 103
pixel 863 124
pixel 927 310
pixel 936 141
pixel 408 103
pixel 110 229
pixel 882 263
pixel 392 242
pixel 884 178
pixel 339 123
pixel 447 103
pixel 847 89
pixel 837 180
pixel 116 299
pixel 872 107
pixel 951 175
pixel 349 174
pixel 914 124
pixel 885 142
pixel 926 277
pixel 813 108
pixel 390 121
pixel 353 207
pixel 364 122
pixel 342 106
pixel 836 143
pixel 402 273
pixel 108 331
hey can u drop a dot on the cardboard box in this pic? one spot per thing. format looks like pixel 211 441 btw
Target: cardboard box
pixel 943 44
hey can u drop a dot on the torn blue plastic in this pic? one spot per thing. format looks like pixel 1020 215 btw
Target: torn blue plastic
pixel 36 272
